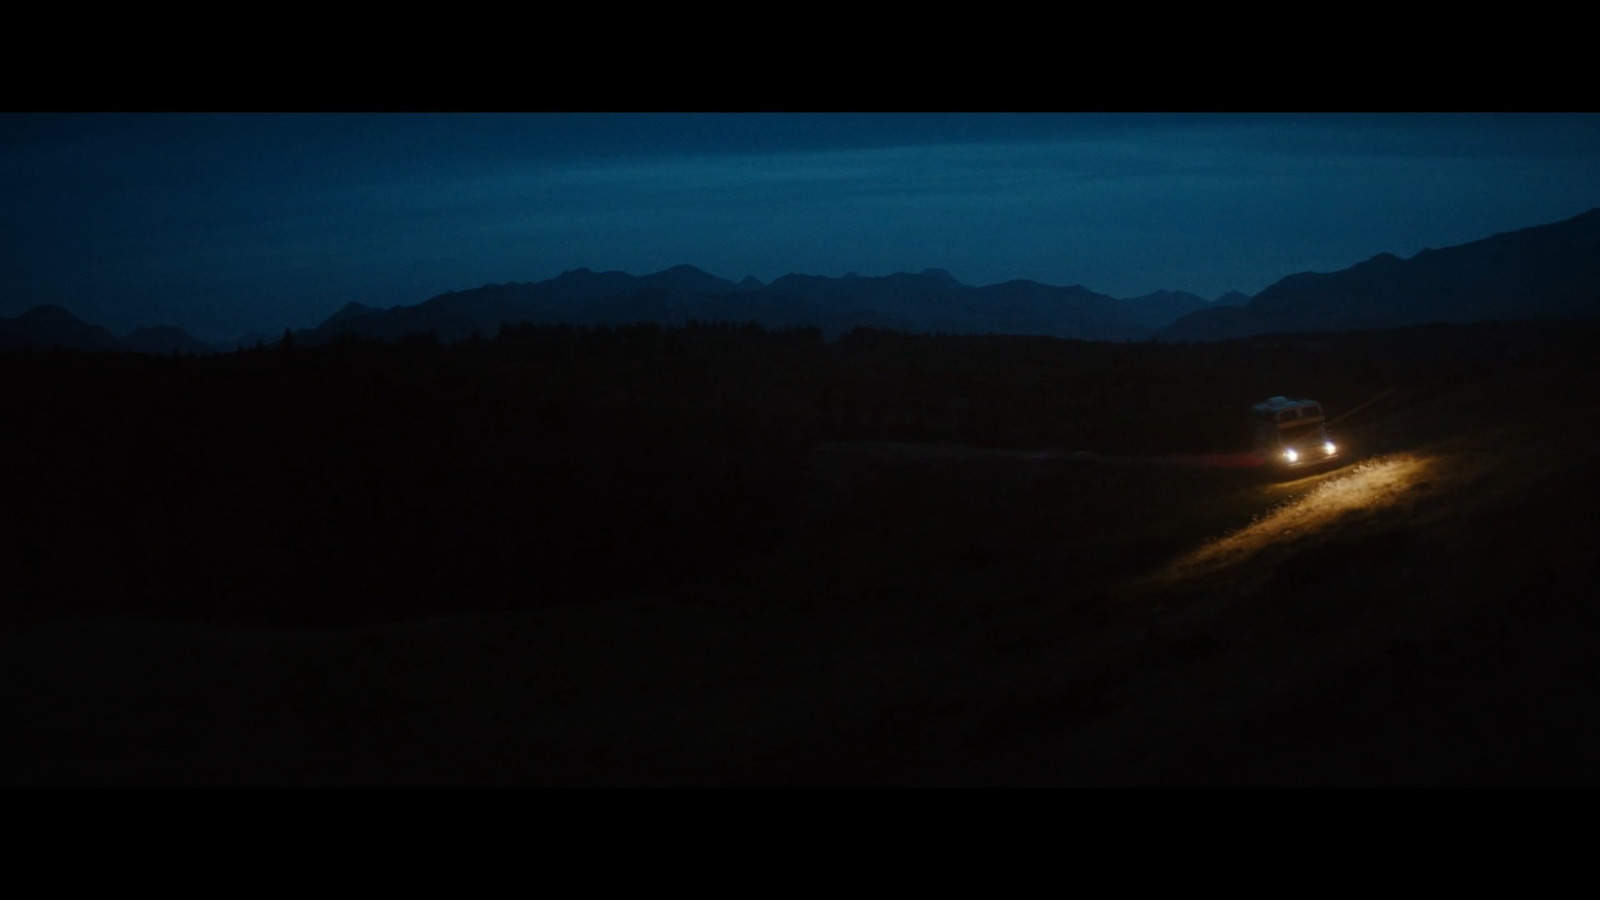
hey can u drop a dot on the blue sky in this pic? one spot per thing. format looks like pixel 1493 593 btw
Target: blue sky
pixel 231 223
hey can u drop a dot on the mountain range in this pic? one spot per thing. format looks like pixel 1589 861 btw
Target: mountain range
pixel 1545 272
pixel 45 327
pixel 929 301
pixel 1548 271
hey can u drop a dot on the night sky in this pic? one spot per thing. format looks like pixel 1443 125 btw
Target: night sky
pixel 226 224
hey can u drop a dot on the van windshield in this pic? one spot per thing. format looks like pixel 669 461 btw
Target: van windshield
pixel 1295 435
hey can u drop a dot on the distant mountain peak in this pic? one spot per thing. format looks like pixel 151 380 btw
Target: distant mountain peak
pixel 685 277
pixel 49 312
pixel 54 326
pixel 940 274
pixel 351 310
pixel 1544 271
pixel 1164 295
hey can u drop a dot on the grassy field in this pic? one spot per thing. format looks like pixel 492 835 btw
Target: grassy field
pixel 938 615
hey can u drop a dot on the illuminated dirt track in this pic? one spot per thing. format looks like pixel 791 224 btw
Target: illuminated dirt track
pixel 1354 493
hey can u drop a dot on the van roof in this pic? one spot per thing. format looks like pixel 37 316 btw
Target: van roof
pixel 1277 403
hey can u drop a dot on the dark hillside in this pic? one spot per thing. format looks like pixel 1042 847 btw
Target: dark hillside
pixel 361 481
pixel 718 555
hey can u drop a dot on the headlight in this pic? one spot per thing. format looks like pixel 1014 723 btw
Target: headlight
pixel 1290 455
pixel 1328 448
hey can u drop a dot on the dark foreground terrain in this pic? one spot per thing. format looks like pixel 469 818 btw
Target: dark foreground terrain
pixel 733 557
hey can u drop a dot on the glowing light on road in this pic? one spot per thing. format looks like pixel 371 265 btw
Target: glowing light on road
pixel 1364 489
pixel 1291 455
pixel 1328 448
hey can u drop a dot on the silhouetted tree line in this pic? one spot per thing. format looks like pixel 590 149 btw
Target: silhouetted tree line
pixel 546 465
